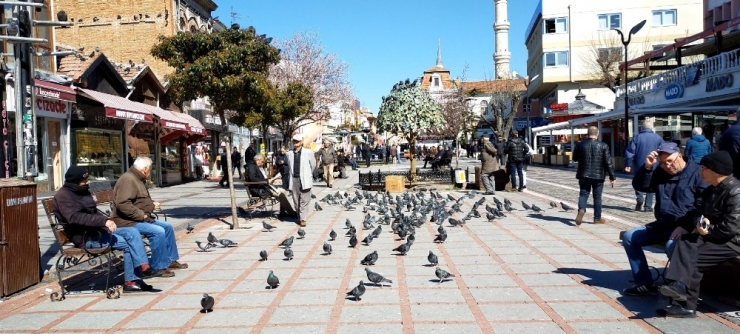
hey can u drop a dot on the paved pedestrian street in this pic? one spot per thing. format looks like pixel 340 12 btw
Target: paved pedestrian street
pixel 525 273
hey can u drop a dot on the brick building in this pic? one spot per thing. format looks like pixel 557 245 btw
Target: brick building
pixel 127 30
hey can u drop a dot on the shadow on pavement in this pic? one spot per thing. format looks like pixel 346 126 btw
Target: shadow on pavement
pixel 541 216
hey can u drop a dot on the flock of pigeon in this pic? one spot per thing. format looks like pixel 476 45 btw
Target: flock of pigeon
pixel 402 213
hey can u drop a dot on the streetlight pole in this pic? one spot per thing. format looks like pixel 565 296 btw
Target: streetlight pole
pixel 626 43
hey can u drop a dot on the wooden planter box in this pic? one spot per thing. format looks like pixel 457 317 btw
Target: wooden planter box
pixel 395 183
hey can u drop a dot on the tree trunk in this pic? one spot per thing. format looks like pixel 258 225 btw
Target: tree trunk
pixel 457 153
pixel 230 177
pixel 412 156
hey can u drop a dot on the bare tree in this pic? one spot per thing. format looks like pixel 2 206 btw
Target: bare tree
pixel 305 61
pixel 456 112
pixel 505 95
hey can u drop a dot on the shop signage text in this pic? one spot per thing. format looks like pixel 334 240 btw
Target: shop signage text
pixel 559 107
pixel 673 91
pixel 52 108
pixel 210 119
pixel 18 201
pixel 637 100
pixel 173 125
pixel 719 82
pixel 130 115
pixel 5 132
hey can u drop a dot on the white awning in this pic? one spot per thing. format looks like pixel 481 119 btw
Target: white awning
pixel 553 126
pixel 680 110
pixel 564 132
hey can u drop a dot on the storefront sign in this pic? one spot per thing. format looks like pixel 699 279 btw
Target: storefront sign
pixel 211 119
pixel 719 82
pixel 559 107
pixel 4 135
pixel 172 125
pixel 637 100
pixel 54 91
pixel 673 91
pixel 52 108
pixel 130 115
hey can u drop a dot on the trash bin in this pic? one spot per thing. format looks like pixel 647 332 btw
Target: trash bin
pixel 551 155
pixel 19 236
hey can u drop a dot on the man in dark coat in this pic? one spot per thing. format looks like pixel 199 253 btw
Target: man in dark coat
pixel 641 145
pixel 256 173
pixel 730 142
pixel 281 161
pixel 516 151
pixel 249 153
pixel 594 162
pixel 501 148
pixel 225 170
pixel 489 165
pixel 236 161
pixel 366 154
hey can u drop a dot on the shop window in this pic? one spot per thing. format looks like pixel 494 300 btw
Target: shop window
pixel 99 151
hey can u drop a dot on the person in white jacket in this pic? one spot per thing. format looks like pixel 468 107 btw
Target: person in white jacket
pixel 302 164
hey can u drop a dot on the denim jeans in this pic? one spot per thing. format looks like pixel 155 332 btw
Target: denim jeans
pixel 128 240
pixel 648 198
pixel 586 186
pixel 634 239
pixel 515 168
pixel 162 241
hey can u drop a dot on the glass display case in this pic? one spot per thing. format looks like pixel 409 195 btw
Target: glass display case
pixel 99 151
pixel 171 163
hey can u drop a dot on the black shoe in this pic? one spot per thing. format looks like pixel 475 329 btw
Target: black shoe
pixel 137 287
pixel 638 207
pixel 675 290
pixel 641 290
pixel 150 273
pixel 677 311
pixel 520 189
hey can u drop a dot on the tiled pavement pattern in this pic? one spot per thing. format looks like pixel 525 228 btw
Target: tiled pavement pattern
pixel 526 273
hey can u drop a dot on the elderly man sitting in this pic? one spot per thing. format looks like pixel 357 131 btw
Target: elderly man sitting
pixel 256 173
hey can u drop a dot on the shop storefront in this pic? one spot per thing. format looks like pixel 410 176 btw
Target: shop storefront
pixel 210 145
pixel 53 110
pixel 171 132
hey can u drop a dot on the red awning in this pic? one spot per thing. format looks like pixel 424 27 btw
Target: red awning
pixel 54 91
pixel 196 131
pixel 120 107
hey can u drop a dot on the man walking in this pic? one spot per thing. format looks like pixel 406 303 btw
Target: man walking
pixel 236 159
pixel 301 162
pixel 642 144
pixel 697 146
pixel 328 157
pixel 366 154
pixel 516 151
pixel 501 148
pixel 489 166
pixel 594 161
pixel 225 170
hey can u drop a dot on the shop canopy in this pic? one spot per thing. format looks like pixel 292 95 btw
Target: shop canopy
pixel 45 89
pixel 120 107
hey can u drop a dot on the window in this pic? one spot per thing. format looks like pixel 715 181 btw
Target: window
pixel 556 25
pixel 436 82
pixel 609 55
pixel 610 21
pixel 526 105
pixel 663 18
pixel 558 58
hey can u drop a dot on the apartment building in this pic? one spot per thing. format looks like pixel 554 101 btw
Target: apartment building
pixel 574 52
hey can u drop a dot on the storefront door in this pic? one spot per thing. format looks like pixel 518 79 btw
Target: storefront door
pixel 54 167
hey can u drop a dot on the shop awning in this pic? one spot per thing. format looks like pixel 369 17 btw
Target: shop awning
pixel 553 126
pixel 120 107
pixel 196 130
pixel 55 91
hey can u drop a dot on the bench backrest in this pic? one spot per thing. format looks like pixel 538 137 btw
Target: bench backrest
pixel 56 226
pixel 103 196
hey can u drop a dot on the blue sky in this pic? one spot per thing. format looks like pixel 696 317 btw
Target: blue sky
pixel 386 41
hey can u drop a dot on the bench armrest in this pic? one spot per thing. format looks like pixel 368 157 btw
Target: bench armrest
pixel 256 182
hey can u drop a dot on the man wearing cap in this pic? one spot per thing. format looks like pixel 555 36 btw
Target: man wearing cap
pixel 715 237
pixel 85 226
pixel 680 186
pixel 301 162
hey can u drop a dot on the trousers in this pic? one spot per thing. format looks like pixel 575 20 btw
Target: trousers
pixel 162 241
pixel 128 240
pixel 635 239
pixel 489 182
pixel 301 199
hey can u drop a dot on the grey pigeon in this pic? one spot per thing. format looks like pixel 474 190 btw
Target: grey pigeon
pixel 263 255
pixel 212 238
pixel 190 228
pixel 403 249
pixel 267 226
pixel 352 230
pixel 368 239
pixel 454 222
pixel 288 253
pixel 507 201
pixel 526 206
pixel 287 242
pixel 566 207
pixel 204 248
pixel 432 258
pixel 353 241
pixel 508 207
pixel 370 259
pixel 376 278
pixel 442 275
pixel 378 230
pixel 553 205
pixel 317 206
pixel 327 248
pixel 206 303
pixel 357 291
pixel 441 237
pixel 227 243
pixel 536 208
pixel 332 235
pixel 347 223
pixel 440 229
pixel 301 233
pixel 490 217
pixel 272 280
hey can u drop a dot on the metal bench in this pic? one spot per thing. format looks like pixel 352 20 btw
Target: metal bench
pixel 258 204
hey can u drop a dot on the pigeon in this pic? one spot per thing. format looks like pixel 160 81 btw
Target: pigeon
pixel 508 207
pixel 272 280
pixel 553 205
pixel 378 230
pixel 353 241
pixel 227 243
pixel 432 258
pixel 368 239
pixel 301 233
pixel 376 278
pixel 442 275
pixel 507 201
pixel 536 208
pixel 357 291
pixel 490 217
pixel 566 207
pixel 204 248
pixel 440 229
pixel 441 237
pixel 263 255
pixel 313 196
pixel 332 235
pixel 287 242
pixel 327 248
pixel 348 223
pixel 403 249
pixel 206 303
pixel 526 206
pixel 352 230
pixel 370 259
pixel 211 238
pixel 454 222
pixel 190 228
pixel 317 206
pixel 288 253
pixel 267 226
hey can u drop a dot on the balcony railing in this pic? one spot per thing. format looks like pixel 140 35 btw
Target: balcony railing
pixel 719 64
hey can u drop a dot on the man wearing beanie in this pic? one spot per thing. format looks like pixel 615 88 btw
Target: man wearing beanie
pixel 715 238
pixel 75 207
pixel 677 180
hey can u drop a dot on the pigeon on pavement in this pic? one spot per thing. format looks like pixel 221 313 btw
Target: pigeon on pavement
pixel 368 239
pixel 553 205
pixel 212 238
pixel 403 248
pixel 441 237
pixel 190 228
pixel 263 255
pixel 206 303
pixel 526 206
pixel 370 259
pixel 353 241
pixel 288 253
pixel 566 207
pixel 376 278
pixel 272 280
pixel 317 206
pixel 432 258
pixel 267 226
pixel 204 248
pixel 442 275
pixel 301 233
pixel 227 243
pixel 332 235
pixel 287 242
pixel 536 208
pixel 327 248
pixel 357 291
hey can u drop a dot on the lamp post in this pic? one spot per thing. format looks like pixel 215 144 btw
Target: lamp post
pixel 626 43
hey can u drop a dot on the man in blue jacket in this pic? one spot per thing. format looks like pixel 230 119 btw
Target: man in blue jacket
pixel 642 144
pixel 697 146
pixel 730 142
pixel 680 186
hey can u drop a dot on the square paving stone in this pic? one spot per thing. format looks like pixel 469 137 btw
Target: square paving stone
pixel 565 293
pixel 213 275
pixel 573 259
pixel 488 281
pixel 512 250
pixel 323 272
pixel 513 311
pixel 376 313
pixel 300 314
pixel 532 327
pixel 246 299
pixel 443 328
pixel 270 329
pixel 238 265
pixel 546 279
pixel 559 250
pixel 532 268
pixel 152 318
pixel 373 295
pixel 380 329
pixel 442 295
pixel 519 258
pixel 128 301
pixel 230 318
pixel 158 331
pixel 209 287
pixel 595 310
pixel 436 312
pixel 610 327
pixel 261 274
pixel 71 303
pixel 465 270
pixel 327 297
pixel 29 321
pixel 471 260
pixel 93 320
pixel 235 330
pixel 499 294
pixel 180 301
pixel 315 283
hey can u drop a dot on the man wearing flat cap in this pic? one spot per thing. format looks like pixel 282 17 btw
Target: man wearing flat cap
pixel 715 238
pixel 301 162
pixel 677 181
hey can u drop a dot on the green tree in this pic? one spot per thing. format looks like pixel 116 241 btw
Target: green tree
pixel 230 67
pixel 408 110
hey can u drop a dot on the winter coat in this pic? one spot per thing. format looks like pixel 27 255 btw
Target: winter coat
pixel 721 205
pixel 254 174
pixel 730 142
pixel 678 197
pixel 75 207
pixel 645 142
pixel 131 201
pixel 697 147
pixel 488 156
pixel 594 161
pixel 249 154
pixel 516 149
pixel 224 164
pixel 236 159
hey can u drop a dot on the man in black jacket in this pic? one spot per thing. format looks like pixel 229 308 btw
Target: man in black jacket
pixel 715 239
pixel 236 160
pixel 255 173
pixel 593 160
pixel 516 150
pixel 249 154
pixel 225 170
pixel 75 207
